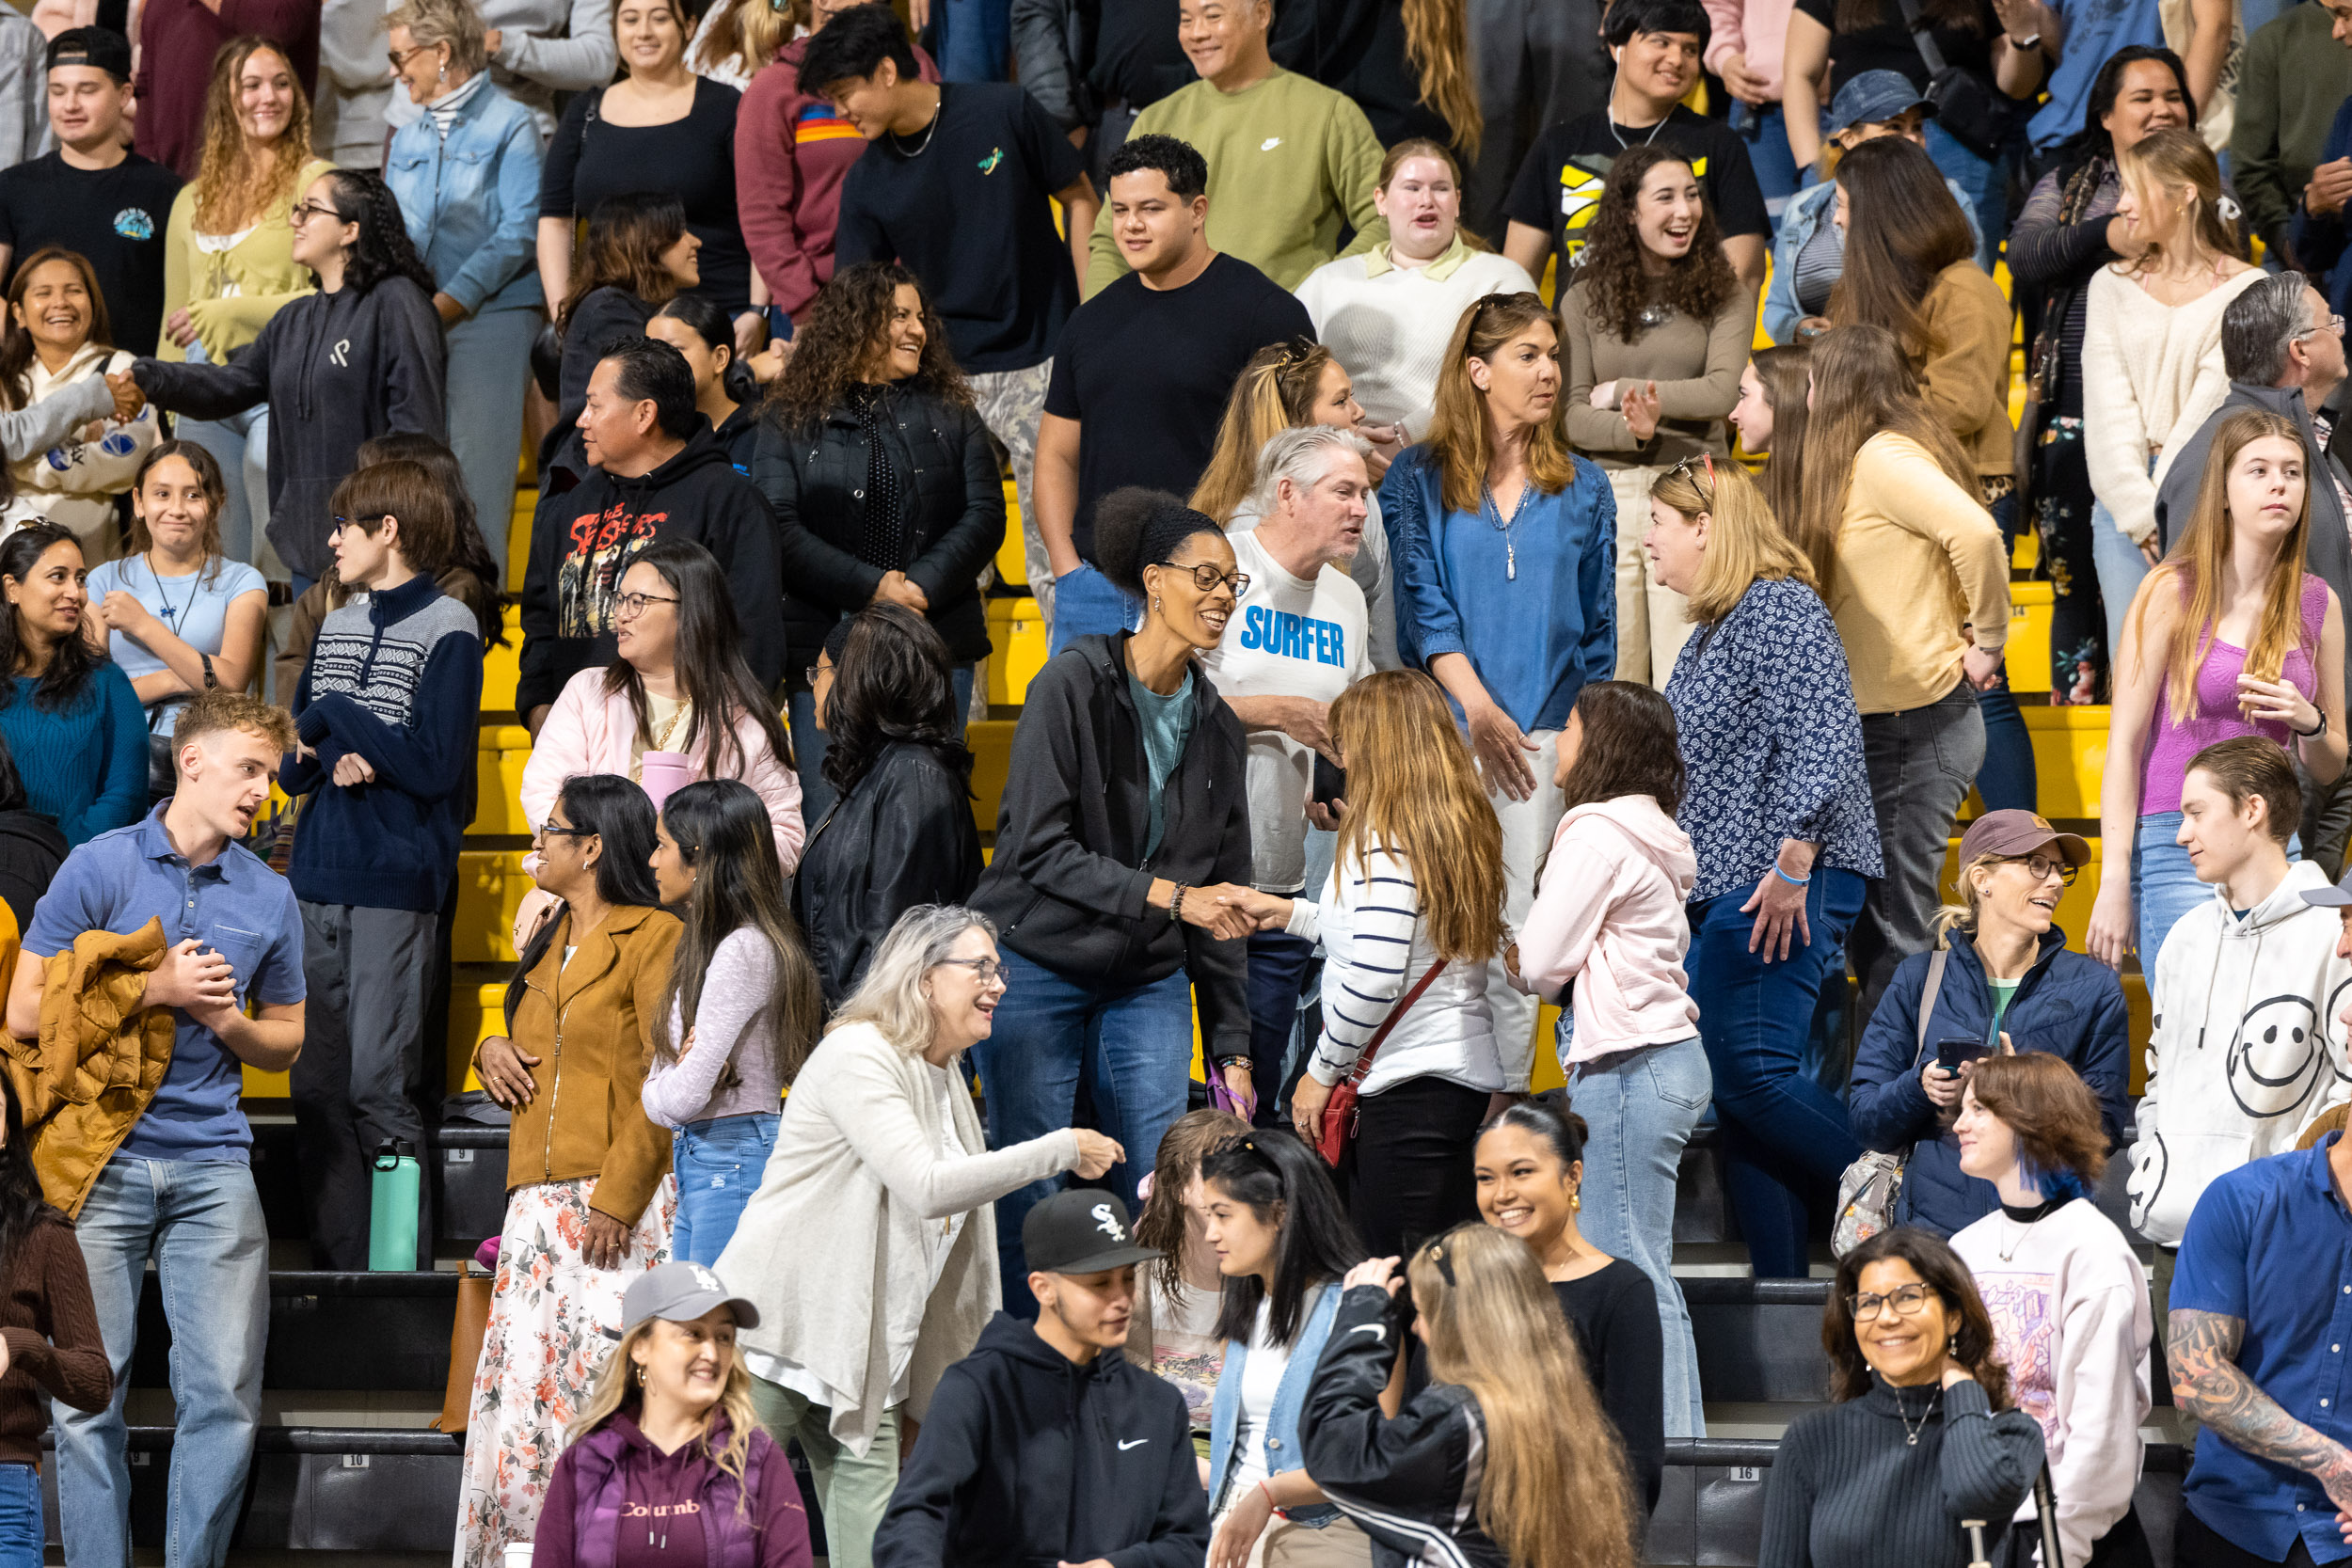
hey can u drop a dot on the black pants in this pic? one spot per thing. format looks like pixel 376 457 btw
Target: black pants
pixel 2124 1546
pixel 1410 1178
pixel 2195 1545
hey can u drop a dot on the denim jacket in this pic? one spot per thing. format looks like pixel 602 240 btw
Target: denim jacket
pixel 1806 212
pixel 471 201
pixel 1283 1450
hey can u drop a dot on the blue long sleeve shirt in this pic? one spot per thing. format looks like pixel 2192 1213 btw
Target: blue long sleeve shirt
pixel 85 764
pixel 2320 241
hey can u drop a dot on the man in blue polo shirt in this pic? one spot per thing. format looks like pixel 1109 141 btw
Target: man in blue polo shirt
pixel 180 1188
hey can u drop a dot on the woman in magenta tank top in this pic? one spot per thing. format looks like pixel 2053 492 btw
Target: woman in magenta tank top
pixel 2229 636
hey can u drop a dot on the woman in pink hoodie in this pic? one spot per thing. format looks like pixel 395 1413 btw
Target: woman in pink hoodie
pixel 1608 920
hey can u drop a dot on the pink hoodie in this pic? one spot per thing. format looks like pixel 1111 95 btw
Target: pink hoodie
pixel 1608 915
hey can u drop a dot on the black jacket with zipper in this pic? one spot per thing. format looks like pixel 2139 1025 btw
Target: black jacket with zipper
pixel 1027 1458
pixel 902 836
pixel 582 540
pixel 954 497
pixel 1067 886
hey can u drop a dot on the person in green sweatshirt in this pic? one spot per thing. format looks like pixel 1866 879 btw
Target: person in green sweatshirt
pixel 2290 82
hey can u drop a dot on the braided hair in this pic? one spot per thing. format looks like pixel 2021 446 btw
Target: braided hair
pixel 383 249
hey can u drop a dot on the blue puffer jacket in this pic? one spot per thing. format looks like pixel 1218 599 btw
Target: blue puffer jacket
pixel 2068 1004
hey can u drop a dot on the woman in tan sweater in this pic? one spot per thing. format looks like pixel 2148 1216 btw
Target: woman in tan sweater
pixel 1655 330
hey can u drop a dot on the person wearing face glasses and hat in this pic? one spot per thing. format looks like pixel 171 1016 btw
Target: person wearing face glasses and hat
pixel 1999 980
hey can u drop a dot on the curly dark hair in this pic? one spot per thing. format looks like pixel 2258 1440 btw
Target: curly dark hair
pixel 1611 273
pixel 383 249
pixel 846 326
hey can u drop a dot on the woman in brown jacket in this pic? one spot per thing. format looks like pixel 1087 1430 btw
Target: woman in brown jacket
pixel 589 1199
pixel 1911 268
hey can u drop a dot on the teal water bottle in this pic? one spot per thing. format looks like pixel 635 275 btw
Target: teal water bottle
pixel 393 1208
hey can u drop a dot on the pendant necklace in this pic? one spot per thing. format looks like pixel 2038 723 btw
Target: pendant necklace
pixel 1505 527
pixel 1911 1434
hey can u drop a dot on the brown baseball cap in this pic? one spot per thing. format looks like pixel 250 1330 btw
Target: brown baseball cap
pixel 2017 834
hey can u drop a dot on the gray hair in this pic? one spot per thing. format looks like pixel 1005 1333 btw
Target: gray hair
pixel 891 996
pixel 454 23
pixel 2259 325
pixel 1301 454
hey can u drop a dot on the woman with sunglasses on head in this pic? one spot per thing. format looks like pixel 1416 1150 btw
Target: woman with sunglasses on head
pixel 1923 1434
pixel 2067 1295
pixel 1125 829
pixel 2001 980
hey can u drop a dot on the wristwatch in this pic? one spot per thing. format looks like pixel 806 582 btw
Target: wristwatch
pixel 2318 733
pixel 2031 41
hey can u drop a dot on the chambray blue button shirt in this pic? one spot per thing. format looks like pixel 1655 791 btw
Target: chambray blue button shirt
pixel 2270 1243
pixel 121 879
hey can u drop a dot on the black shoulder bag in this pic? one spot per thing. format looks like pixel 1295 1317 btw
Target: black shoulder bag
pixel 1971 108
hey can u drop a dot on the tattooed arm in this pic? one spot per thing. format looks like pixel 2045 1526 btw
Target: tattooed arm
pixel 2209 1384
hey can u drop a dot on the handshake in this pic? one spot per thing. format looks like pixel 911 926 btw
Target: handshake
pixel 1227 911
pixel 129 400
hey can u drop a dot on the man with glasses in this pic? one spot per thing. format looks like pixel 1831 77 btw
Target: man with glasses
pixel 2002 982
pixel 655 471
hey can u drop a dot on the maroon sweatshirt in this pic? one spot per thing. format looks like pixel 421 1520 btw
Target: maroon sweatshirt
pixel 178 40
pixel 661 1506
pixel 54 1351
pixel 791 153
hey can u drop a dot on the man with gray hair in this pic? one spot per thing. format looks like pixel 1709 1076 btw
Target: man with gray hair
pixel 1297 638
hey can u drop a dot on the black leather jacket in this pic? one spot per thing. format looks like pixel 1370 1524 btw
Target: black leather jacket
pixel 815 479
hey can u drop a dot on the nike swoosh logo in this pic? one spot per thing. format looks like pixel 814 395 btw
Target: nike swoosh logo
pixel 1137 1444
pixel 1379 1332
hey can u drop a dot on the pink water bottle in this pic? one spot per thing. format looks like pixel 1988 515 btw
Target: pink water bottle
pixel 664 773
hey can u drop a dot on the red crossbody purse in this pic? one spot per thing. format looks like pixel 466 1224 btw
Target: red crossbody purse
pixel 1340 1114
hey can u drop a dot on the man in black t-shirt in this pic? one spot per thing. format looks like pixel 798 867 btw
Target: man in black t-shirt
pixel 1657 45
pixel 957 183
pixel 1144 370
pixel 93 194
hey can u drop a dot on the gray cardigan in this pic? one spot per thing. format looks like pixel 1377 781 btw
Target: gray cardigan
pixel 854 1180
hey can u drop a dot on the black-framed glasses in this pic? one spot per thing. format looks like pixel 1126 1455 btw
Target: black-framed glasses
pixel 1694 468
pixel 304 211
pixel 552 830
pixel 986 970
pixel 1908 1301
pixel 1206 577
pixel 628 607
pixel 2042 867
pixel 342 523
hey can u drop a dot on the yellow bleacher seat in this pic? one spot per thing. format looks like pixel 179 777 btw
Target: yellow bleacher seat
pixel 518 535
pixel 490 888
pixel 2026 655
pixel 500 665
pixel 498 781
pixel 1011 555
pixel 1019 637
pixel 992 750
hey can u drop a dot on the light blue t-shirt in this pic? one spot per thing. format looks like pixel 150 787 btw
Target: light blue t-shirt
pixel 1166 723
pixel 2094 30
pixel 195 607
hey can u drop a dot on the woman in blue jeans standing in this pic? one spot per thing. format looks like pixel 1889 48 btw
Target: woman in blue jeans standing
pixel 741 1012
pixel 1778 806
pixel 1124 830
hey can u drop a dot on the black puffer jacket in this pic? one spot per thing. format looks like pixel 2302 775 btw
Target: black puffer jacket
pixel 902 836
pixel 954 497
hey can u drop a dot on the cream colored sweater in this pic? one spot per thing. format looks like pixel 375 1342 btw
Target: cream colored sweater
pixel 1388 325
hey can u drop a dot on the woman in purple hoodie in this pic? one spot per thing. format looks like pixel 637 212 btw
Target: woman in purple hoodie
pixel 669 1445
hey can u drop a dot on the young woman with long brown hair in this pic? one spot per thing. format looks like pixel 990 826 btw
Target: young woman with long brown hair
pixel 1419 872
pixel 1656 329
pixel 2231 636
pixel 638 255
pixel 58 334
pixel 1772 416
pixel 1178 1298
pixel 1508 1409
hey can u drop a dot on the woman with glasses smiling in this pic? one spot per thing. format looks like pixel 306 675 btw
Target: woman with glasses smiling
pixel 2002 982
pixel 1922 1435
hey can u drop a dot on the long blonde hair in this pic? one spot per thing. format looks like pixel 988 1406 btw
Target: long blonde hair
pixel 617 1393
pixel 1555 1492
pixel 1413 790
pixel 234 191
pixel 1460 437
pixel 1437 41
pixel 1743 543
pixel 752 31
pixel 1275 390
pixel 2171 160
pixel 1863 386
pixel 2199 565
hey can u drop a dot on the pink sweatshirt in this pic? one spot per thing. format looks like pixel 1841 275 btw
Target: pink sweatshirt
pixel 1609 916
pixel 1756 28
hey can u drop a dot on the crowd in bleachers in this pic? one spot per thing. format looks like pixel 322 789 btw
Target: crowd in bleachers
pixel 1456 606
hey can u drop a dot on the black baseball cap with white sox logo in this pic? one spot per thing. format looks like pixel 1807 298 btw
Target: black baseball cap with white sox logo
pixel 1083 1231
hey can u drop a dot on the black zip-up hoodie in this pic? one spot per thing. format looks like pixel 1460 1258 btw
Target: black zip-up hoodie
pixel 584 538
pixel 1027 1459
pixel 1066 888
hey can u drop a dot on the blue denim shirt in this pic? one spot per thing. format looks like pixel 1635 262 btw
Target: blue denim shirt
pixel 471 201
pixel 1283 1449
pixel 1808 210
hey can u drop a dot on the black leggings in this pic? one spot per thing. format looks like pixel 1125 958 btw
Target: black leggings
pixel 1410 1175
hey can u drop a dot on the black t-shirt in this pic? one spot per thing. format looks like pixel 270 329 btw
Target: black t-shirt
pixel 965 205
pixel 1147 372
pixel 1559 185
pixel 114 216
pixel 692 158
pixel 1137 58
pixel 1887 46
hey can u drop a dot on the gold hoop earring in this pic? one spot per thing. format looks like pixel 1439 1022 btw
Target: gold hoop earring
pixel 641 1376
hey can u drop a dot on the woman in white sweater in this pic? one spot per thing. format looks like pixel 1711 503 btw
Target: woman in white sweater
pixel 1389 314
pixel 2066 1294
pixel 870 1247
pixel 1410 919
pixel 2151 347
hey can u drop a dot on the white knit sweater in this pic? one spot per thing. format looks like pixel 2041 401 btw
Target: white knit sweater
pixel 1388 325
pixel 2152 372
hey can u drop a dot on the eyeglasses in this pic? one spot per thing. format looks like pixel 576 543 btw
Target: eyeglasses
pixel 552 830
pixel 2334 323
pixel 362 523
pixel 2042 868
pixel 1908 1301
pixel 628 607
pixel 1689 469
pixel 811 672
pixel 988 972
pixel 400 57
pixel 305 211
pixel 1206 577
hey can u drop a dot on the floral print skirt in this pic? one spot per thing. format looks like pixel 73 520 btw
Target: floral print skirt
pixel 553 1320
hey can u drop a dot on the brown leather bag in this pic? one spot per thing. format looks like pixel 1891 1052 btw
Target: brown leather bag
pixel 465 1350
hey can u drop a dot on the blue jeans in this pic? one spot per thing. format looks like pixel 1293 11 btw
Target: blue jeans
pixel 718 1163
pixel 973 39
pixel 200 1222
pixel 809 742
pixel 22 1532
pixel 1984 178
pixel 1785 1135
pixel 1277 968
pixel 240 444
pixel 2121 568
pixel 1128 1047
pixel 1766 133
pixel 1639 1107
pixel 1088 604
pixel 2006 779
pixel 489 365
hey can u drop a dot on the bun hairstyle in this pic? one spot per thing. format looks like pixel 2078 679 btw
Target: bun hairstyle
pixel 1134 527
pixel 1545 1116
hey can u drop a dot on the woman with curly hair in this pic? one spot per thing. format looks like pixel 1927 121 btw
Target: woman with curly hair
pixel 884 480
pixel 229 262
pixel 1656 331
pixel 359 358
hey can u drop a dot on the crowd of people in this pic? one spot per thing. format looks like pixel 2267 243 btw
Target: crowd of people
pixel 1286 333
